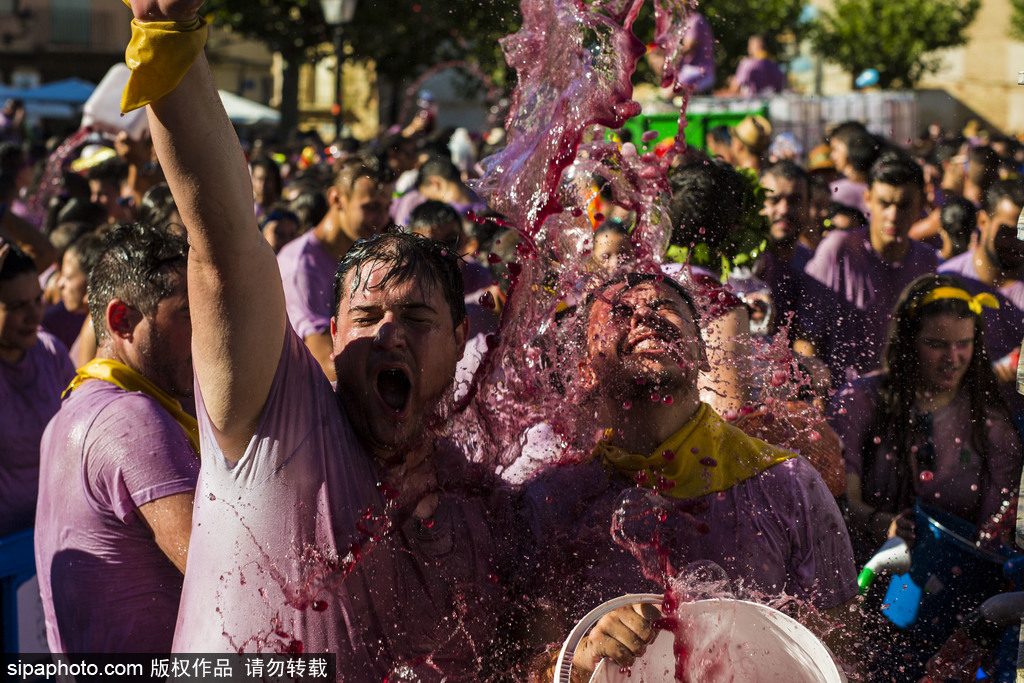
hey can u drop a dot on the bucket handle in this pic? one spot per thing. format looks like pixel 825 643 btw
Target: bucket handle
pixel 563 668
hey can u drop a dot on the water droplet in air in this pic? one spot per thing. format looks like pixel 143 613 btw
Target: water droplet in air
pixel 626 405
pixel 877 440
pixel 667 400
pixel 319 605
pixel 493 258
pixel 668 455
pixel 213 497
pixel 649 136
pixel 655 398
pixel 709 462
pixel 814 436
pixel 926 475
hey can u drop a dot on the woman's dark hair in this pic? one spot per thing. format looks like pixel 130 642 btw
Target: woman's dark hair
pixel 15 263
pixel 958 218
pixel 895 419
pixel 157 206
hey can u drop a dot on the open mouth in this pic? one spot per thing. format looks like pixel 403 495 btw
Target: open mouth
pixel 651 342
pixel 393 386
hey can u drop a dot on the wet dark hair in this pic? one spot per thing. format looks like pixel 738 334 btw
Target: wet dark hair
pixel 440 166
pixel 958 218
pixel 895 416
pixel 433 213
pixel 16 263
pixel 707 201
pixel 351 169
pixel 110 171
pixel 862 149
pixel 1000 190
pixel 897 169
pixel 310 205
pixel 787 169
pixel 406 256
pixel 157 205
pixel 141 265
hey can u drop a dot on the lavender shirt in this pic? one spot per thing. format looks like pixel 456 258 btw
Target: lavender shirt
pixel 963 266
pixel 850 193
pixel 29 396
pixel 106 585
pixel 703 55
pixel 307 271
pixel 845 263
pixel 776 532
pixel 963 482
pixel 756 75
pixel 271 531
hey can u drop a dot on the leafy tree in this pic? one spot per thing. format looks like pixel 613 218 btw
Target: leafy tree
pixel 1016 29
pixel 896 38
pixel 293 28
pixel 402 37
pixel 734 22
pixel 406 37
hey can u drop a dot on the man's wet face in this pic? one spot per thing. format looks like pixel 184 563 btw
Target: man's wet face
pixel 395 350
pixel 642 337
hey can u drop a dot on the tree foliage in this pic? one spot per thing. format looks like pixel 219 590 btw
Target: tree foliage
pixel 898 39
pixel 1016 29
pixel 734 22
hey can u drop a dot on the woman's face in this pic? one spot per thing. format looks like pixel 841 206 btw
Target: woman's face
pixel 945 345
pixel 72 284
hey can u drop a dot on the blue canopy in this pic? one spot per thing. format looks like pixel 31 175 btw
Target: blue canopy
pixel 67 91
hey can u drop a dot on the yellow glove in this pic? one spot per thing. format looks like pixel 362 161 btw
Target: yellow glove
pixel 158 54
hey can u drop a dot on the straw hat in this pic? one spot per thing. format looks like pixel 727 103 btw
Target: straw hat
pixel 755 132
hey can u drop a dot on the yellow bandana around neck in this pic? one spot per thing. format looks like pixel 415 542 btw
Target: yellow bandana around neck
pixel 123 376
pixel 706 455
pixel 159 54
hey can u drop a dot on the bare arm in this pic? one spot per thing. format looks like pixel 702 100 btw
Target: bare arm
pixel 235 292
pixel 170 520
pixel 726 387
pixel 321 346
pixel 28 239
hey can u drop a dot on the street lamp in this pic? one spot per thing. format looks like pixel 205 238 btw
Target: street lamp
pixel 337 13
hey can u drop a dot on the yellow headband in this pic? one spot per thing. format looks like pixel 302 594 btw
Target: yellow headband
pixel 973 302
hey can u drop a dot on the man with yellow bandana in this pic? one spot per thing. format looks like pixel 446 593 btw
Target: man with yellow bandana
pixel 682 485
pixel 119 461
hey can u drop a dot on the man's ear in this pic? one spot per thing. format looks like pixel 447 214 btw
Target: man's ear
pixel 335 198
pixel 122 319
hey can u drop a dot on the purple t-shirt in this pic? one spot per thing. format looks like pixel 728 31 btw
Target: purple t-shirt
pixel 963 265
pixel 63 324
pixel 845 263
pixel 272 531
pixel 756 75
pixel 106 585
pixel 29 396
pixel 963 482
pixel 779 531
pixel 307 272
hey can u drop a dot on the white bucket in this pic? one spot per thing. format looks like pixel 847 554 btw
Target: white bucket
pixel 729 640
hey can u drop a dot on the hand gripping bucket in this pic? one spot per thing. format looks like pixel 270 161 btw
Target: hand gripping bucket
pixel 729 640
pixel 949 576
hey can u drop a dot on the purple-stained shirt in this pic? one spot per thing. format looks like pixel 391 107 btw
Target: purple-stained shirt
pixel 307 272
pixel 106 585
pixel 756 75
pixel 845 263
pixel 963 481
pixel 29 396
pixel 779 531
pixel 850 193
pixel 271 534
pixel 963 265
pixel 703 55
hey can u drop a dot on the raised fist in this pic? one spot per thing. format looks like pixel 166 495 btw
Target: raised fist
pixel 165 10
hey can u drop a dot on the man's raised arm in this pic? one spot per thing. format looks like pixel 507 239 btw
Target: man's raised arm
pixel 235 294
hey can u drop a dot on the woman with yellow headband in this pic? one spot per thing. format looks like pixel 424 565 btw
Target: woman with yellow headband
pixel 930 426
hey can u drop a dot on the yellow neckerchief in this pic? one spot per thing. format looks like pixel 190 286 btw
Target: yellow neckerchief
pixel 973 302
pixel 123 376
pixel 706 455
pixel 159 54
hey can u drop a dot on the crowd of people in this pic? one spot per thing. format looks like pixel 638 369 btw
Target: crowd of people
pixel 228 380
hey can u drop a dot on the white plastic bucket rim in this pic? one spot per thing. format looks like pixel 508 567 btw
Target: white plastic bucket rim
pixel 734 639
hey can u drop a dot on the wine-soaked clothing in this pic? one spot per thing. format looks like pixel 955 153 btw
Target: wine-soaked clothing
pixel 307 273
pixel 291 548
pixel 106 585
